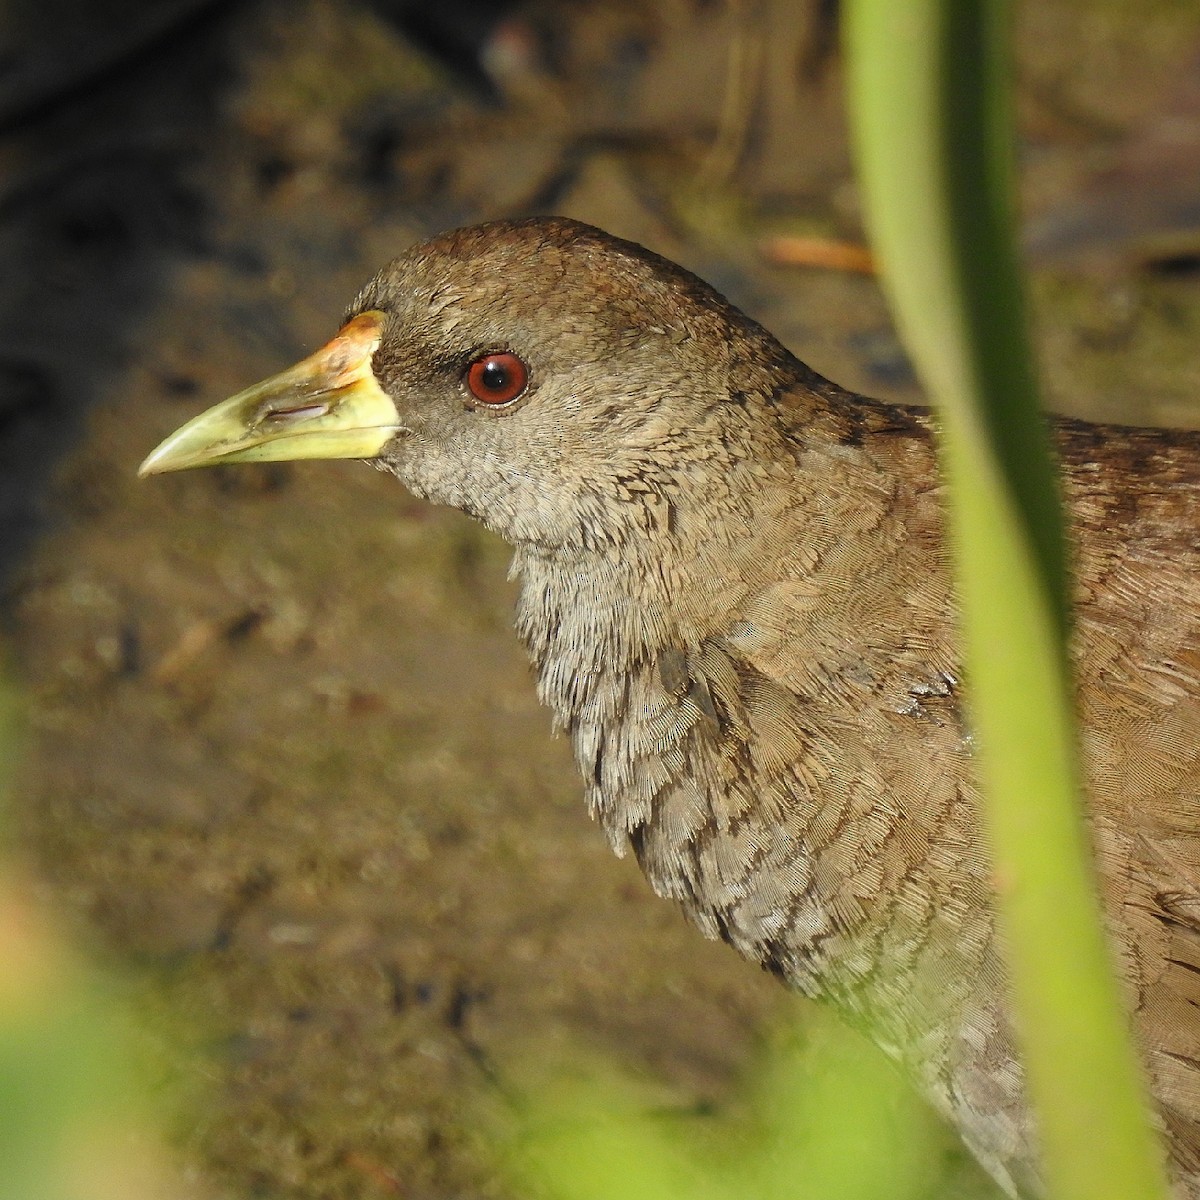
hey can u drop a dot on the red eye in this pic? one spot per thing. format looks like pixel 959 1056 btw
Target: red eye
pixel 497 378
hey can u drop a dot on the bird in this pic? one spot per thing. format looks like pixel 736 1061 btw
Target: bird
pixel 736 592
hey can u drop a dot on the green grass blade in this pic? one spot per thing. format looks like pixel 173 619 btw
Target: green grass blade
pixel 929 97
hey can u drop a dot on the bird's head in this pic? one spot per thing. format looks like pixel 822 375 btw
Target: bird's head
pixel 565 387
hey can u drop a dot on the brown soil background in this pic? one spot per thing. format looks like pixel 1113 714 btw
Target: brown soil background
pixel 284 767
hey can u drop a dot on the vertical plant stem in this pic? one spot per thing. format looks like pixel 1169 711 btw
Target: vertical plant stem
pixel 930 104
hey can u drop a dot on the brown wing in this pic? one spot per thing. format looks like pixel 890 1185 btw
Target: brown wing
pixel 1135 500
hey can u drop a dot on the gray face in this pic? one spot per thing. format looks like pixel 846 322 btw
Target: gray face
pixel 627 359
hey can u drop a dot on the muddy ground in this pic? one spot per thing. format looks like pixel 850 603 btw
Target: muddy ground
pixel 284 766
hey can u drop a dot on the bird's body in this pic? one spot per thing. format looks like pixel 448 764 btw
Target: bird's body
pixel 735 591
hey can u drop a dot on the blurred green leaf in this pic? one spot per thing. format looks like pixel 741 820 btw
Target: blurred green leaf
pixel 823 1116
pixel 74 1113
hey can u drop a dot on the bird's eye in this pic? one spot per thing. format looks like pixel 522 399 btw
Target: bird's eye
pixel 497 378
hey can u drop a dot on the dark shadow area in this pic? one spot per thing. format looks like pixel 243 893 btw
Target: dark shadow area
pixel 104 112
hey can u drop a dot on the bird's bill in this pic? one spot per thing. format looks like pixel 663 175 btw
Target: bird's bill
pixel 328 406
